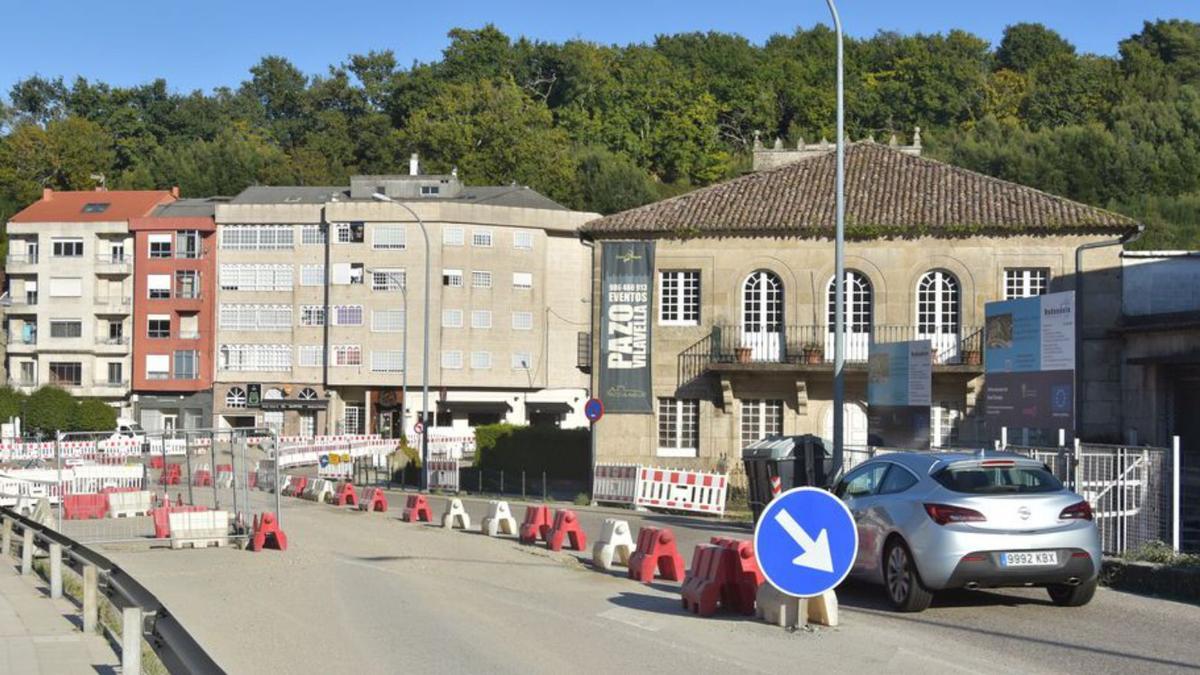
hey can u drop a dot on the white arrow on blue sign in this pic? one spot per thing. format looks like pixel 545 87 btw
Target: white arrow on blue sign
pixel 806 542
pixel 324 460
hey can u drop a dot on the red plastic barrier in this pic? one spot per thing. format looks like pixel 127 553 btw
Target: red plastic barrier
pixel 251 479
pixel 202 478
pixel 416 510
pixel 171 475
pixel 346 496
pixel 267 533
pixel 744 575
pixel 537 524
pixel 156 462
pixel 566 524
pixel 110 490
pixel 656 549
pixel 83 506
pixel 373 500
pixel 296 487
pixel 705 583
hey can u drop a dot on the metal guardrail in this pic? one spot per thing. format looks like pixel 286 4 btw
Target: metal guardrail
pixel 170 641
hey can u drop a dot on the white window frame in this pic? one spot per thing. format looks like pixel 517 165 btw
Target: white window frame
pixel 346 356
pixel 312 234
pixel 522 280
pixel 481 360
pixel 481 279
pixel 452 359
pixel 452 278
pixel 522 361
pixel 760 418
pixel 312 275
pixel 452 318
pixel 310 356
pixel 312 315
pixel 452 235
pixel 396 238
pixel 343 315
pixel 675 413
pixel 388 279
pixel 679 297
pixel 482 238
pixel 387 321
pixel 481 319
pixel 1026 282
pixel 519 321
pixel 387 361
pixel 523 240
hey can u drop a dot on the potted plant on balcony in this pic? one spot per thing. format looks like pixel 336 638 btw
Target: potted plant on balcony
pixel 814 352
pixel 743 354
pixel 972 357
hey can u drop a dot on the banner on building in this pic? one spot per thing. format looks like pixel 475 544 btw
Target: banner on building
pixel 899 393
pixel 1029 366
pixel 626 290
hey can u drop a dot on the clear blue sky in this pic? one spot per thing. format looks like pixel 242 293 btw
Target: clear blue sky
pixel 206 43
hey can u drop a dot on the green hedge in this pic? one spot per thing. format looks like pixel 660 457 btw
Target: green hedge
pixel 561 453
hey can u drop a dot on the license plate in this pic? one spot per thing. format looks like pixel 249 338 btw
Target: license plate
pixel 1028 558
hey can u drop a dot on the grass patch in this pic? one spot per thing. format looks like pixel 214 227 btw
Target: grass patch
pixel 1162 554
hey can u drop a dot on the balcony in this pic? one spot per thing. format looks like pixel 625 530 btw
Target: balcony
pixel 111 305
pixel 20 337
pixel 114 264
pixel 20 304
pixel 112 345
pixel 810 348
pixel 16 263
pixel 25 384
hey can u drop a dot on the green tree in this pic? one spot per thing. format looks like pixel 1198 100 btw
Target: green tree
pixel 50 410
pixel 1026 46
pixel 95 415
pixel 609 183
pixel 12 403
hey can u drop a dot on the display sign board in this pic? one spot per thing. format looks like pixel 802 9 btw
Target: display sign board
pixel 626 292
pixel 899 386
pixel 253 395
pixel 1029 352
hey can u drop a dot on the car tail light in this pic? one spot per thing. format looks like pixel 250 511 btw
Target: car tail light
pixel 1078 511
pixel 1081 554
pixel 943 514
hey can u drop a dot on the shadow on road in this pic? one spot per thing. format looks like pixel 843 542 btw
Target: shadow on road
pixel 861 595
pixel 668 605
pixel 420 558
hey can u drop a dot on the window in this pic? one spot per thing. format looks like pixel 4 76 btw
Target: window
pixel 356 273
pixel 481 279
pixel 347 355
pixel 388 280
pixel 352 419
pixel 256 277
pixel 481 360
pixel 388 237
pixel 28 373
pixel 312 275
pixel 761 418
pixel 523 240
pixel 158 326
pixel 387 361
pixel 158 286
pixel 349 233
pixel 189 326
pixel 944 423
pixel 96 207
pixel 158 366
pixel 937 304
pixel 187 284
pixel 347 315
pixel 522 280
pixel 430 190
pixel 856 303
pixel 66 287
pixel 452 318
pixel 1025 282
pixel 312 234
pixel 481 319
pixel 978 480
pixel 679 298
pixel 255 317
pixel 115 373
pixel 522 320
pixel 257 237
pixel 312 356
pixel 452 358
pixel 387 320
pixel 160 245
pixel 312 315
pixel 452 278
pixel 66 328
pixel 452 236
pixel 67 248
pixel 678 427
pixel 187 244
pixel 116 332
pixel 521 360
pixel 898 479
pixel 308 394
pixel 481 238
pixel 66 373
pixel 862 482
pixel 255 358
pixel 235 398
pixel 116 253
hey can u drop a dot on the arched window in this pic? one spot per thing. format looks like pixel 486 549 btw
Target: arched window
pixel 273 394
pixel 937 304
pixel 857 303
pixel 235 398
pixel 762 315
pixel 273 419
pixel 308 394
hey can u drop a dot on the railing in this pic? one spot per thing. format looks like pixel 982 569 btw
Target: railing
pixel 189 335
pixel 186 295
pixel 114 259
pixel 20 259
pixel 17 338
pixel 114 302
pixel 21 382
pixel 120 340
pixel 814 345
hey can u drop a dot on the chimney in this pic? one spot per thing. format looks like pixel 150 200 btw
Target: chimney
pixel 414 165
pixel 175 192
pixel 47 193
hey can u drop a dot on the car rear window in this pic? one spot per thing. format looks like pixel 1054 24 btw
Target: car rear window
pixel 978 480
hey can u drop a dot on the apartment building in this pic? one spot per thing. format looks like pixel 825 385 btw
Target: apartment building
pixel 321 296
pixel 174 293
pixel 70 291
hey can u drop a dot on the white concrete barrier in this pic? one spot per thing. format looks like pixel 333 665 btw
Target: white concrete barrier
pixel 786 611
pixel 456 515
pixel 322 491
pixel 199 529
pixel 499 520
pixel 126 504
pixel 615 543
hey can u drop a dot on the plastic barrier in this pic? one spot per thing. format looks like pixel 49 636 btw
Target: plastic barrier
pixel 499 520
pixel 537 523
pixel 286 484
pixel 566 527
pixel 267 534
pixel 615 543
pixel 615 483
pixel 322 491
pixel 788 611
pixel 156 462
pixel 203 477
pixel 199 529
pixel 161 516
pixel 443 474
pixel 656 548
pixel 172 475
pixel 416 510
pixel 345 495
pixel 705 583
pixel 456 515
pixel 298 486
pixel 132 503
pixel 373 500
pixel 83 506
pixel 744 575
pixel 682 490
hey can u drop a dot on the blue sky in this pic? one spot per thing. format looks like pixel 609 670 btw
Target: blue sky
pixel 202 44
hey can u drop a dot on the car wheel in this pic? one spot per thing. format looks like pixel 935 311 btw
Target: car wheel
pixel 903 584
pixel 1072 596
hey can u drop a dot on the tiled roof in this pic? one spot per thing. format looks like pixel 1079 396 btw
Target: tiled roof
pixel 887 193
pixel 98 206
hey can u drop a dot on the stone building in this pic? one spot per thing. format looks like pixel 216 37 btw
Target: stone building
pixel 741 344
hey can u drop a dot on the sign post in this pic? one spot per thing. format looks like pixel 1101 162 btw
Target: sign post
pixel 806 542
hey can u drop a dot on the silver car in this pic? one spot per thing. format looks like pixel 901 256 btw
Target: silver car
pixel 934 521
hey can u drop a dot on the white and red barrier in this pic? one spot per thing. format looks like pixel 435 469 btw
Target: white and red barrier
pixel 654 487
pixel 615 483
pixel 443 474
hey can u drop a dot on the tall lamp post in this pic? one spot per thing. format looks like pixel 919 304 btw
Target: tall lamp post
pixel 839 252
pixel 424 482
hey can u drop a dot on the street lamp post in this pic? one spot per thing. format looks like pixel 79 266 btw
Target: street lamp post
pixel 839 252
pixel 424 482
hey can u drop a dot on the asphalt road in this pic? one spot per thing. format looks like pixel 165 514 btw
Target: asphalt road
pixel 368 593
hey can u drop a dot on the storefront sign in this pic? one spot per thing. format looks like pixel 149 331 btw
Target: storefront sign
pixel 626 289
pixel 1030 362
pixel 899 386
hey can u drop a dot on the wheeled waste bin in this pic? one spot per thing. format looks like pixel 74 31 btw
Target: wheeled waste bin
pixel 794 460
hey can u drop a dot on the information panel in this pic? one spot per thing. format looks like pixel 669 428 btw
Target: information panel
pixel 1030 362
pixel 899 387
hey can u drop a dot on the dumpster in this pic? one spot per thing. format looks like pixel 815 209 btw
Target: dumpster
pixel 794 460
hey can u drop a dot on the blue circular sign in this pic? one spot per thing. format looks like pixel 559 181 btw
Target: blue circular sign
pixel 324 460
pixel 593 409
pixel 806 542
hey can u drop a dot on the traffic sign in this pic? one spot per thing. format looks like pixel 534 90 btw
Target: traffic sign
pixel 324 460
pixel 419 427
pixel 593 409
pixel 806 542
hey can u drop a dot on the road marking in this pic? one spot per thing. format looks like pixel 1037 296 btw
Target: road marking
pixel 629 618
